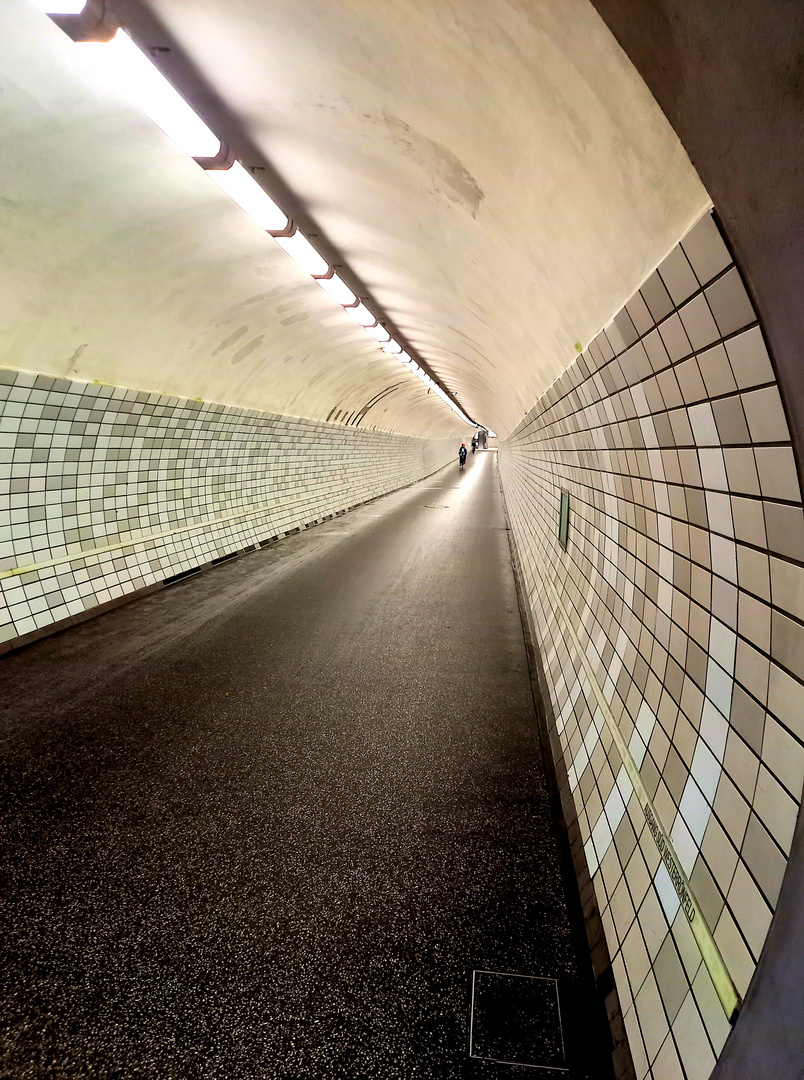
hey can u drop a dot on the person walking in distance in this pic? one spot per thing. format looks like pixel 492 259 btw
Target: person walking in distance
pixel 462 455
pixel 474 443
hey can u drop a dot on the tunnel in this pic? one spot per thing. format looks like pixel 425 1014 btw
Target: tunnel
pixel 327 753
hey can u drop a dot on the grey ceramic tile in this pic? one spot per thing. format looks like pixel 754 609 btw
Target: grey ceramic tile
pixel 782 753
pixel 764 859
pixel 732 809
pixel 777 473
pixel 787 587
pixel 656 351
pixel 692 1042
pixel 765 415
pixel 735 952
pixel 729 303
pixel 749 520
pixel 785 529
pixel 776 808
pixel 640 315
pixel 754 623
pixel 699 323
pixel 716 371
pixel 749 908
pixel 656 297
pixel 670 390
pixel 706 892
pixel 675 338
pixel 703 425
pixel 667 1064
pixel 678 276
pixel 741 470
pixel 749 359
pixel 689 380
pixel 747 717
pixel 626 328
pixel 705 250
pixel 670 977
pixel 751 669
pixel 731 424
pixel 720 854
pixel 715 1021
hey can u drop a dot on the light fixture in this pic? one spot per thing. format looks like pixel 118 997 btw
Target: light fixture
pixel 302 251
pixel 361 314
pixel 337 289
pixel 242 188
pixel 117 58
pixel 379 333
pixel 127 68
pixel 60 7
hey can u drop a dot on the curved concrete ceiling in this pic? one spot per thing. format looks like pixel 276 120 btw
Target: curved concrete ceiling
pixel 122 262
pixel 495 171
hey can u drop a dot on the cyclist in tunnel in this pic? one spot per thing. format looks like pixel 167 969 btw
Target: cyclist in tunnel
pixel 462 455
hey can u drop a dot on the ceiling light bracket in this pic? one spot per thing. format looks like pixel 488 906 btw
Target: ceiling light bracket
pixel 325 277
pixel 94 23
pixel 288 230
pixel 224 159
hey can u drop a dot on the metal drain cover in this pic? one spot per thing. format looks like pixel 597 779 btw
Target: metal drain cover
pixel 516 1020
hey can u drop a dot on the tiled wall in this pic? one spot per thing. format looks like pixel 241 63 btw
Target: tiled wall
pixel 86 467
pixel 683 581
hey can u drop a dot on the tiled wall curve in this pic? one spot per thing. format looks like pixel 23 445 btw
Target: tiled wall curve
pixel 137 488
pixel 683 578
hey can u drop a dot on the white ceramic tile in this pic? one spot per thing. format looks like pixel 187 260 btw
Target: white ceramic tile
pixel 667 1065
pixel 705 770
pixel 765 415
pixel 750 910
pixel 651 1017
pixel 703 425
pixel 713 469
pixel 705 250
pixel 693 1043
pixel 784 756
pixel 749 359
pixel 776 809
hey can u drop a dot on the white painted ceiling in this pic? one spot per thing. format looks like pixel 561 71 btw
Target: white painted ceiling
pixel 494 170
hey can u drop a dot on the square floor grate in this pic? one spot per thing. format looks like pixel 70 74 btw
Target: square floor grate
pixel 516 1020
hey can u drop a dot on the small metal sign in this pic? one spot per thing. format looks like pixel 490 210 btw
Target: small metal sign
pixel 563 519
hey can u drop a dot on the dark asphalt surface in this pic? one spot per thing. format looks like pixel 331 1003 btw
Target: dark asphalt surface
pixel 267 822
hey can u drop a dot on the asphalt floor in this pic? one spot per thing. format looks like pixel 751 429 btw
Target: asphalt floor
pixel 273 820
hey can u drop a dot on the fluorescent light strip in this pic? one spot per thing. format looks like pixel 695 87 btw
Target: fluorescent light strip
pixel 379 333
pixel 302 251
pixel 336 288
pixel 125 66
pixel 129 70
pixel 240 185
pixel 361 314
